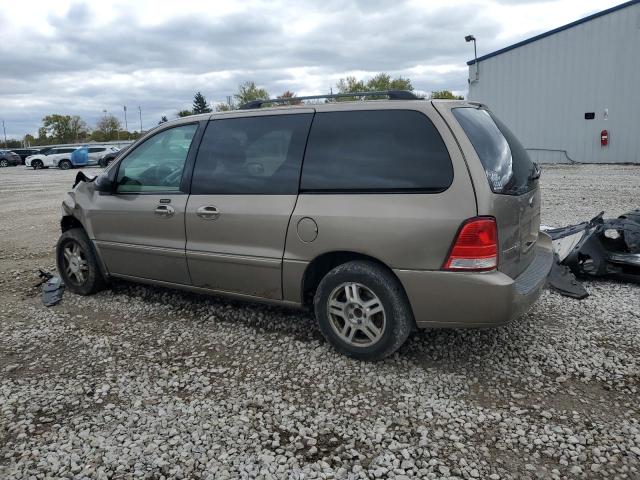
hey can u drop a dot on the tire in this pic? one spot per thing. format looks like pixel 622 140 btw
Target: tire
pixel 65 164
pixel 37 164
pixel 357 290
pixel 4 163
pixel 78 263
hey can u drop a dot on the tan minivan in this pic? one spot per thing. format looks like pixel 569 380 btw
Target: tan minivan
pixel 381 215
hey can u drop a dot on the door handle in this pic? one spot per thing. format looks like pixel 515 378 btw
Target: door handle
pixel 165 211
pixel 208 212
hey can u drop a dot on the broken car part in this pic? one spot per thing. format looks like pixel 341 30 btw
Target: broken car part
pixel 601 247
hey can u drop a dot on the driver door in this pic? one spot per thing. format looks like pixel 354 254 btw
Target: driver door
pixel 139 229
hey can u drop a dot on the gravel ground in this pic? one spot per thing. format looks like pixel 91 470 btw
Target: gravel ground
pixel 141 382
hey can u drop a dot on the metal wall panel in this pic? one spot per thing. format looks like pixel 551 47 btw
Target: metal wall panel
pixel 543 89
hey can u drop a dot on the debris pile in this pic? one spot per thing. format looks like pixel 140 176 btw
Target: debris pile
pixel 608 248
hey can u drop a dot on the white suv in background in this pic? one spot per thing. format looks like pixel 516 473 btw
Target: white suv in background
pixel 49 158
pixel 61 157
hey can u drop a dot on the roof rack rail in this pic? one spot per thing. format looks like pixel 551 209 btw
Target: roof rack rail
pixel 391 94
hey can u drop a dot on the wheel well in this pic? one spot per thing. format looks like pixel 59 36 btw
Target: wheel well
pixel 323 264
pixel 68 222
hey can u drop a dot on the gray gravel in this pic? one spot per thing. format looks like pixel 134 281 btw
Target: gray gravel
pixel 141 382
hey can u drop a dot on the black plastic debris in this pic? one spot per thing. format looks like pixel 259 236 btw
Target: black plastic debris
pixel 52 291
pixel 599 248
pixel 562 279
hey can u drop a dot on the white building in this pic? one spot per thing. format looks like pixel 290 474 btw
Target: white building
pixel 570 94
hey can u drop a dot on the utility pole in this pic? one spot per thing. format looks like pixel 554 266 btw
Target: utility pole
pixel 5 135
pixel 140 112
pixel 126 126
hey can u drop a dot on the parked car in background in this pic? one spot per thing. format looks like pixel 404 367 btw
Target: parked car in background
pixel 111 156
pixel 51 157
pixel 25 152
pixel 96 154
pixel 8 158
pixel 381 216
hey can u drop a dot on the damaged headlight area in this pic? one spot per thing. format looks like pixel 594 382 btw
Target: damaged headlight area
pixel 606 248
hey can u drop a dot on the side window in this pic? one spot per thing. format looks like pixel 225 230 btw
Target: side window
pixel 65 150
pixel 157 164
pixel 251 155
pixel 97 149
pixel 381 150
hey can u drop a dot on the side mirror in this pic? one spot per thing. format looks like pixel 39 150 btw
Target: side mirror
pixel 106 182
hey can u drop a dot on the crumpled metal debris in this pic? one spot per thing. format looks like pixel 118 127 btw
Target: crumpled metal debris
pixel 608 248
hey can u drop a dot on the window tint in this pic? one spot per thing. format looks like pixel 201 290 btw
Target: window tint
pixel 251 155
pixel 157 164
pixel 96 149
pixel 375 150
pixel 65 150
pixel 506 163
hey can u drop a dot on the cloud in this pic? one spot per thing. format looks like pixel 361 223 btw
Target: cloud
pixel 81 58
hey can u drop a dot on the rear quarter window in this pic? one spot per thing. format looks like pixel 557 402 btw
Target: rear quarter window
pixel 381 150
pixel 506 163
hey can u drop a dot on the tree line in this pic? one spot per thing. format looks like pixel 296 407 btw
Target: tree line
pixel 248 91
pixel 57 128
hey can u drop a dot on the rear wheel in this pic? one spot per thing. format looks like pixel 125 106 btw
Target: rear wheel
pixel 362 310
pixel 37 164
pixel 4 163
pixel 78 264
pixel 64 164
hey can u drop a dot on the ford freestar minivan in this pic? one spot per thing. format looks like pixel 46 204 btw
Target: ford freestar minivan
pixel 381 215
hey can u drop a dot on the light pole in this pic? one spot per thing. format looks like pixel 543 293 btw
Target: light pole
pixel 471 38
pixel 140 112
pixel 5 135
pixel 126 126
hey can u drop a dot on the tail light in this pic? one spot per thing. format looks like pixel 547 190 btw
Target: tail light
pixel 475 247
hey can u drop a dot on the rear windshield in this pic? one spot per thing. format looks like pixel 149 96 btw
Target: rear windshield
pixel 509 169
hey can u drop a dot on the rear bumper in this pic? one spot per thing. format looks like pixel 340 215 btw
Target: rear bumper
pixel 454 299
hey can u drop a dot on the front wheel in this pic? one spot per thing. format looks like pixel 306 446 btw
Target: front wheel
pixel 78 264
pixel 362 310
pixel 37 164
pixel 4 163
pixel 64 165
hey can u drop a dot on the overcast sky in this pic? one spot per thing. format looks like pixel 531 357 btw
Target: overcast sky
pixel 80 58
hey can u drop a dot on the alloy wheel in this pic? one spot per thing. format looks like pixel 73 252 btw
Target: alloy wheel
pixel 356 314
pixel 75 263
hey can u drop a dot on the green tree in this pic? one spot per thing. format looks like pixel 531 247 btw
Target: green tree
pixel 223 107
pixel 445 95
pixel 380 82
pixel 79 129
pixel 109 126
pixel 248 91
pixel 163 119
pixel 200 104
pixel 290 94
pixel 184 113
pixel 56 127
pixel 29 140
